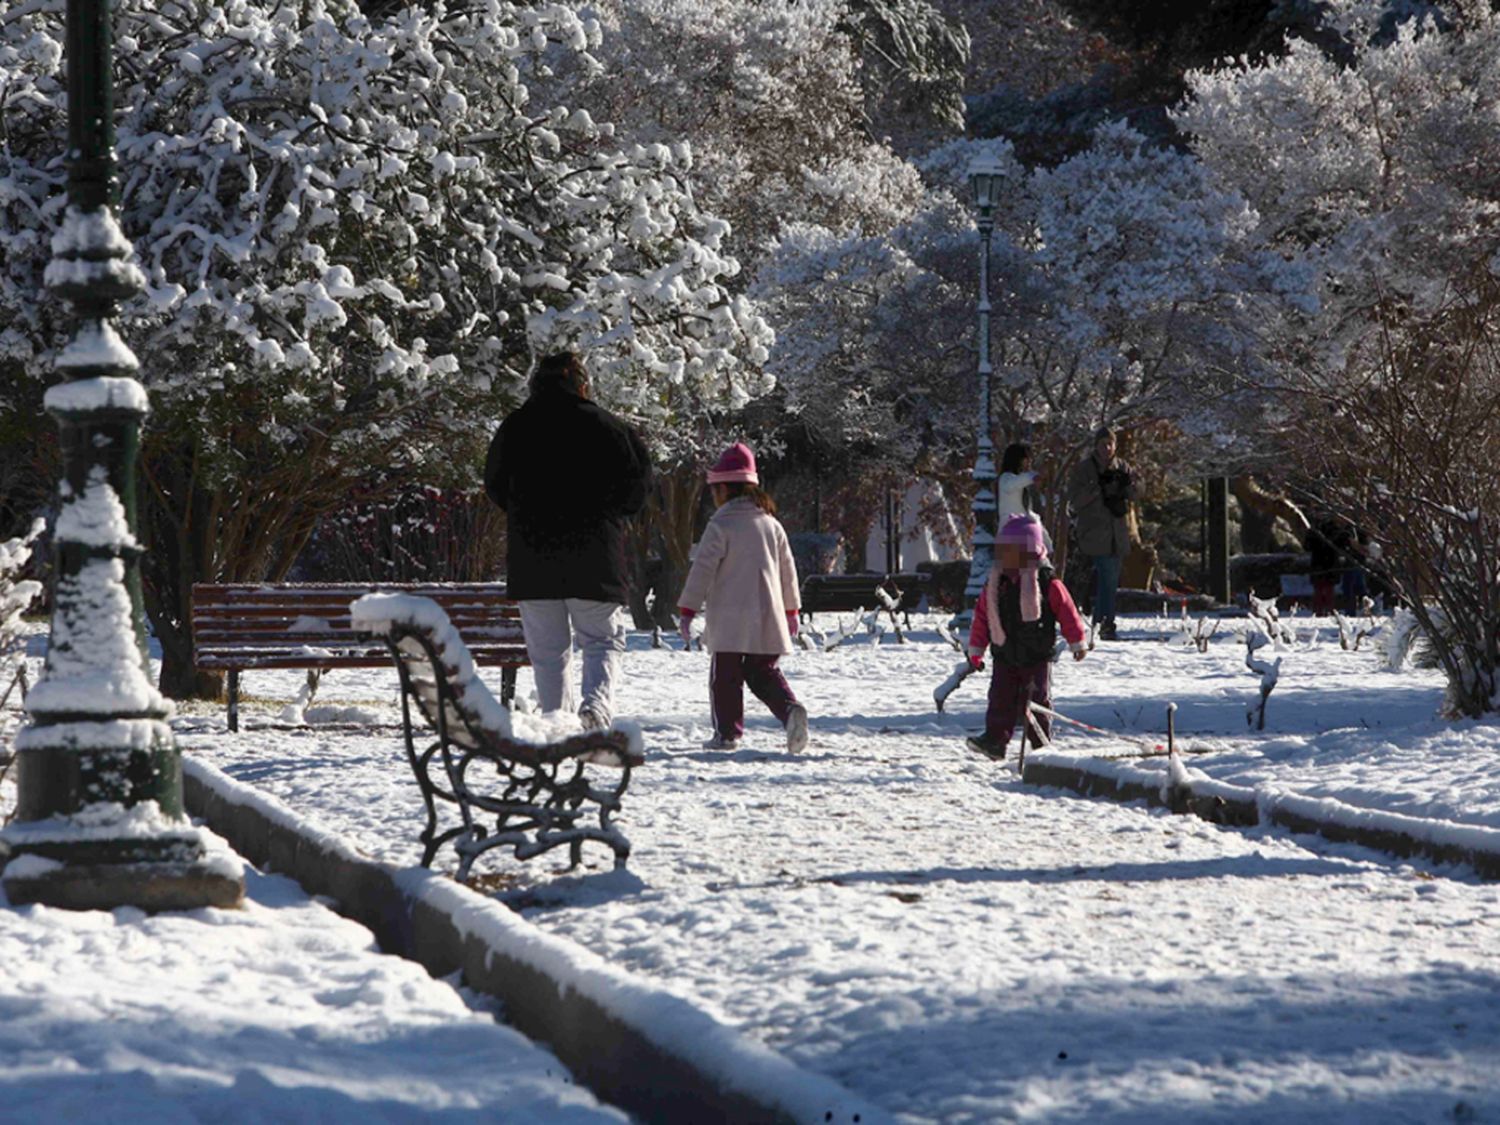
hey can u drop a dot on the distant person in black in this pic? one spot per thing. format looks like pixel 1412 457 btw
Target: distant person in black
pixel 569 474
pixel 1327 548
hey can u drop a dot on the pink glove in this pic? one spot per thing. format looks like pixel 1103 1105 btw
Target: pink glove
pixel 685 624
pixel 976 661
pixel 792 621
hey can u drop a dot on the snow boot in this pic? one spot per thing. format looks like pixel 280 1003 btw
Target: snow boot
pixel 796 729
pixel 989 747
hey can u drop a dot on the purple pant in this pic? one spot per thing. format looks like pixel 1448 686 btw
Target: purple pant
pixel 1010 688
pixel 729 673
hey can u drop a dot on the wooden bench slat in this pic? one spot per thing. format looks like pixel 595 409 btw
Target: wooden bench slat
pixel 282 625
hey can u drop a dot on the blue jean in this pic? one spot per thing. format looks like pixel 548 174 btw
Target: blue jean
pixel 1106 582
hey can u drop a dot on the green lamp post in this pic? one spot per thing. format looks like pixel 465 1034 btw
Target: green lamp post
pixel 986 177
pixel 99 820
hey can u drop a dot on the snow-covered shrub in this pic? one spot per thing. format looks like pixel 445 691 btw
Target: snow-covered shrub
pixel 1402 641
pixel 411 534
pixel 355 233
pixel 1380 170
pixel 16 596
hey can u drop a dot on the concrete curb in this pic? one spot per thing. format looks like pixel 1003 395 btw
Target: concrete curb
pixel 633 1044
pixel 1185 790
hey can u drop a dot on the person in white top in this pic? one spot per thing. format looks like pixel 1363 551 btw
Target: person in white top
pixel 1016 479
pixel 744 574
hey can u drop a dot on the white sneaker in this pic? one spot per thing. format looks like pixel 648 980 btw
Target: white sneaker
pixel 796 728
pixel 717 743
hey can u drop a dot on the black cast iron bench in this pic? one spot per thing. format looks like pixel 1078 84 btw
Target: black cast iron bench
pixel 530 795
pixel 238 627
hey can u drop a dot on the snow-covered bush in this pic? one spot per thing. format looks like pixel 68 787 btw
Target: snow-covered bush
pixel 1380 170
pixel 355 233
pixel 775 99
pixel 16 596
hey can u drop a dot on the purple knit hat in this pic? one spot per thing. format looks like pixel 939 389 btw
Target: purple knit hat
pixel 735 464
pixel 1025 532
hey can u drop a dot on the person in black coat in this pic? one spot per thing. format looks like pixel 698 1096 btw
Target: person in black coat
pixel 1327 546
pixel 569 475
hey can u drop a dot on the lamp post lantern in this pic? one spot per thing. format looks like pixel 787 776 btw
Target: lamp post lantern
pixel 99 820
pixel 986 175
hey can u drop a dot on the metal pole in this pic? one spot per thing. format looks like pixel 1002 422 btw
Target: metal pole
pixel 1218 538
pixel 96 750
pixel 986 503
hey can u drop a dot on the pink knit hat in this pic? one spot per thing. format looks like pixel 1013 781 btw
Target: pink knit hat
pixel 1026 532
pixel 735 464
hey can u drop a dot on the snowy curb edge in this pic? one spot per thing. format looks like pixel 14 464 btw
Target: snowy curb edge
pixel 1185 790
pixel 635 1045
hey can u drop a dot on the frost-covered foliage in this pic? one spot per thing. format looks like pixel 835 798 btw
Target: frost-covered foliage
pixel 16 593
pixel 408 534
pixel 914 55
pixel 1379 169
pixel 352 215
pixel 355 233
pixel 770 95
pixel 1119 278
pixel 774 100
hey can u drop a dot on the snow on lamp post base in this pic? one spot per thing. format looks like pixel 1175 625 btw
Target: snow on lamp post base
pixel 99 820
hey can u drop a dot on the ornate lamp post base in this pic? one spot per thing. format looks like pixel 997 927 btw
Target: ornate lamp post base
pixel 99 819
pixel 69 885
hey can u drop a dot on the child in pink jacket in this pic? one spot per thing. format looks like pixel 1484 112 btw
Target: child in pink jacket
pixel 743 572
pixel 1017 618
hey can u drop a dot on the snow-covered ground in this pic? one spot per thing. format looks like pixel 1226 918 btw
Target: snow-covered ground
pixel 278 1012
pixel 907 918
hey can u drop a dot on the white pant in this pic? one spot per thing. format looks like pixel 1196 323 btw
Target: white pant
pixel 549 625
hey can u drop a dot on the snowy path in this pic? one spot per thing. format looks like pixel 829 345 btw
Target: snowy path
pixel 279 1012
pixel 906 918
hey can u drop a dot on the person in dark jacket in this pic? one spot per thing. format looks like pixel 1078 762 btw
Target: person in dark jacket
pixel 1327 545
pixel 1100 491
pixel 569 474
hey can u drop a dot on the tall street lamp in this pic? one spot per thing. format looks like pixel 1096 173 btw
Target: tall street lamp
pixel 99 819
pixel 985 176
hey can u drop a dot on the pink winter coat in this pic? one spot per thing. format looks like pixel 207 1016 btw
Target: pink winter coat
pixel 744 578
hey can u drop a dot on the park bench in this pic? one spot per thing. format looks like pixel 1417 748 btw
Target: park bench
pixel 526 793
pixel 306 625
pixel 835 593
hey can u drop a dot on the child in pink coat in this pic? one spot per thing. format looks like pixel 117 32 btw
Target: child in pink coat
pixel 1017 618
pixel 743 572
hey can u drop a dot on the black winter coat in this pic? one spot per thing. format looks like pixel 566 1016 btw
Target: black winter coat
pixel 569 474
pixel 1026 642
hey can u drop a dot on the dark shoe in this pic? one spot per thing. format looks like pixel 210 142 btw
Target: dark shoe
pixel 986 746
pixel 1107 632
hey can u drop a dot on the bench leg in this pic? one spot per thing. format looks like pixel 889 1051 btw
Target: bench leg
pixel 507 687
pixel 234 699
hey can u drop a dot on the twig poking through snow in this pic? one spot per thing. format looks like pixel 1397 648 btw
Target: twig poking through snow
pixel 1269 673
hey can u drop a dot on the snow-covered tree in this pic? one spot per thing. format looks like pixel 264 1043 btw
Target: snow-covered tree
pixel 1121 280
pixel 355 233
pixel 774 100
pixel 1378 166
pixel 16 596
